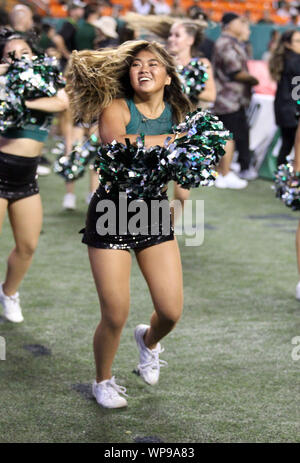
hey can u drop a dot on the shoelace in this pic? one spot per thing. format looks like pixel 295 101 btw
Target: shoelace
pixel 155 362
pixel 13 298
pixel 116 387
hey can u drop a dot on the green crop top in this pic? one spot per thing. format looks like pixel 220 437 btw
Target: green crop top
pixel 36 129
pixel 141 124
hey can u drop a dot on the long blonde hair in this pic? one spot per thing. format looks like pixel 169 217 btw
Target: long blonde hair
pixel 95 78
pixel 161 24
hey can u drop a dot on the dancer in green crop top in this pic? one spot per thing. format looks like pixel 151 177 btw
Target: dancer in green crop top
pixel 184 41
pixel 139 123
pixel 19 195
pixel 141 95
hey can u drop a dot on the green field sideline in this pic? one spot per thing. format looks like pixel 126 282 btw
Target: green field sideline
pixel 230 374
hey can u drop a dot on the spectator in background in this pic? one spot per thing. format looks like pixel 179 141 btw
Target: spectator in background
pixel 195 12
pixel 161 7
pixel 294 21
pixel 233 83
pixel 107 35
pixel 206 48
pixel 266 18
pixel 248 16
pixel 21 18
pixel 177 11
pixel 69 27
pixel 284 65
pixel 142 6
pixel 86 32
pixel 284 10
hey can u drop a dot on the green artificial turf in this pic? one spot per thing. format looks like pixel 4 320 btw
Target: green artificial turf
pixel 230 375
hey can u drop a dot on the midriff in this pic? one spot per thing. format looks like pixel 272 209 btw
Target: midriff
pixel 21 146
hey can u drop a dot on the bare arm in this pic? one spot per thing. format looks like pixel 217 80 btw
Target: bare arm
pixel 209 93
pixel 245 78
pixel 54 104
pixel 112 126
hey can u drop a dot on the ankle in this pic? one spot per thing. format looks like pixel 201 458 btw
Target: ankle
pixel 100 379
pixel 6 292
pixel 148 343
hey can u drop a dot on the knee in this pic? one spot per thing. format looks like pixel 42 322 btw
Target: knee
pixel 170 318
pixel 181 195
pixel 26 250
pixel 114 319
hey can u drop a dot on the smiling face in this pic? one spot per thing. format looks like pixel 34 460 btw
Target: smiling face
pixel 179 40
pixel 17 46
pixel 147 74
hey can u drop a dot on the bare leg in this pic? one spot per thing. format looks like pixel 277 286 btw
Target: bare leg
pixel 73 134
pixel 111 271
pixel 224 166
pixel 70 187
pixel 26 220
pixel 94 180
pixel 3 207
pixel 161 267
pixel 66 125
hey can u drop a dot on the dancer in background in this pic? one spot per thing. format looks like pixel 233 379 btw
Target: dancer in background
pixel 284 65
pixel 297 169
pixel 20 148
pixel 184 41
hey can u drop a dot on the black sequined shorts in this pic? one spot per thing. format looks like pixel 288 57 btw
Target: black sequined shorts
pixel 116 222
pixel 18 178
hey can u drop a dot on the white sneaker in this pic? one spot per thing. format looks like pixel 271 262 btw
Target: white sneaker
pixel 298 291
pixel 249 174
pixel 43 170
pixel 149 366
pixel 11 305
pixel 231 180
pixel 69 201
pixel 107 393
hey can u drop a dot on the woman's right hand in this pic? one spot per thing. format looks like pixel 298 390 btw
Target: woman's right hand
pixel 3 68
pixel 177 135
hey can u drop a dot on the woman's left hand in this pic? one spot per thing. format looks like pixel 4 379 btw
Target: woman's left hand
pixel 28 103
